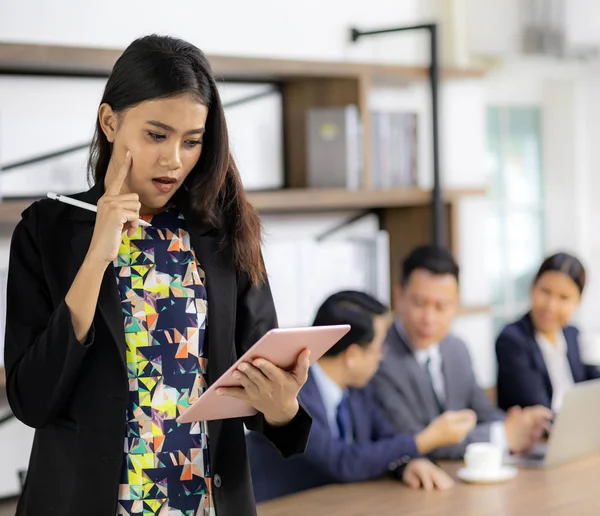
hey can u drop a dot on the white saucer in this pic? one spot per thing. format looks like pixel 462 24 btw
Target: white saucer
pixel 503 474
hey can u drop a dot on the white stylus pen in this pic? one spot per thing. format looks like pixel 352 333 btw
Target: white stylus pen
pixel 84 205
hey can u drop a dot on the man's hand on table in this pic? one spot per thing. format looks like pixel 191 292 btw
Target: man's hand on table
pixel 422 473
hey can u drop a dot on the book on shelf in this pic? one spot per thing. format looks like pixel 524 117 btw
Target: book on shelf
pixel 394 149
pixel 334 140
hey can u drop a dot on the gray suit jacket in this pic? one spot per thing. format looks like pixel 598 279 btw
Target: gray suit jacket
pixel 404 391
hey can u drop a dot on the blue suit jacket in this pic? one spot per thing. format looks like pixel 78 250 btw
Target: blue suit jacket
pixel 377 449
pixel 522 375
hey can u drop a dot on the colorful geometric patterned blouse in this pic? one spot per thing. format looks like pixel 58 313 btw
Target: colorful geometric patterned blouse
pixel 166 470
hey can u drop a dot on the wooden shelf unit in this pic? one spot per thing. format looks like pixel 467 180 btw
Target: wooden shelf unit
pixel 305 84
pixel 81 61
pixel 404 213
pixel 329 199
pixel 305 200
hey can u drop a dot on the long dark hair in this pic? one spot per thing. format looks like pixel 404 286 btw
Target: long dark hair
pixel 565 263
pixel 155 67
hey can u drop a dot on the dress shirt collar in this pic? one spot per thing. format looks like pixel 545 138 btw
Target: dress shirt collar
pixel 331 393
pixel 421 355
pixel 559 347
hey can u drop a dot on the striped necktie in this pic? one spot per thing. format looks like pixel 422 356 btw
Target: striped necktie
pixel 438 403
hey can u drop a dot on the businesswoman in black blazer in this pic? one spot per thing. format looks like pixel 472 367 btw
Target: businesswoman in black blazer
pixel 538 355
pixel 113 329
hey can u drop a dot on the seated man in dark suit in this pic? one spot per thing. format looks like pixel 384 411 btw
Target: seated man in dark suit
pixel 351 439
pixel 427 371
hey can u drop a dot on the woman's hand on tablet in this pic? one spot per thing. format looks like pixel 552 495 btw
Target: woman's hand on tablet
pixel 269 389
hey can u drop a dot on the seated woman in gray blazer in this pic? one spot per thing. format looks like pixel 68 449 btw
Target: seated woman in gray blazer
pixel 538 355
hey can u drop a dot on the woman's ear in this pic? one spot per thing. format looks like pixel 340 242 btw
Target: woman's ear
pixel 108 121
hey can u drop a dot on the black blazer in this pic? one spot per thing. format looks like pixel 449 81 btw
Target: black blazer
pixel 75 396
pixel 522 375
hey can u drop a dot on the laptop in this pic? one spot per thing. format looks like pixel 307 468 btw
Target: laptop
pixel 575 431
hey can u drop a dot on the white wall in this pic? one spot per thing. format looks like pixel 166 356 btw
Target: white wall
pixel 15 445
pixel 309 29
pixel 589 245
pixel 494 29
pixel 304 268
pixel 476 330
pixel 42 114
pixel 565 165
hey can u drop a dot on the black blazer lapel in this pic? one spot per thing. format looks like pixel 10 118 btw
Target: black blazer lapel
pixel 109 304
pixel 220 326
pixel 573 356
pixel 220 289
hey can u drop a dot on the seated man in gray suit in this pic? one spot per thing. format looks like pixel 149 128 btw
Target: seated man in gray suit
pixel 427 371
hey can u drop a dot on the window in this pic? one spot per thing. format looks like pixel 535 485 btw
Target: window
pixel 516 241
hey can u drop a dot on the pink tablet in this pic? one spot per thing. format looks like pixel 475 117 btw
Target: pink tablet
pixel 279 346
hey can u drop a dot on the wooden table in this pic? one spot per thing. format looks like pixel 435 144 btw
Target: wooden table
pixel 569 490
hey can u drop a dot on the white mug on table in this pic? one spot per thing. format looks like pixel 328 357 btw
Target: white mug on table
pixel 484 458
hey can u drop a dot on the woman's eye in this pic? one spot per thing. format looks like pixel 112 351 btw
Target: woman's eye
pixel 156 137
pixel 193 143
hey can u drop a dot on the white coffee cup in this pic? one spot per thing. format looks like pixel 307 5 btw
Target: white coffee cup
pixel 483 458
